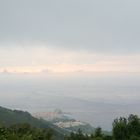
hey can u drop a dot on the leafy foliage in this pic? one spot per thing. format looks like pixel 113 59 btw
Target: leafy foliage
pixel 126 128
pixel 24 132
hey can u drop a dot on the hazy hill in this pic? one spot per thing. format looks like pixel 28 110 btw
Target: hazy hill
pixel 65 121
pixel 9 117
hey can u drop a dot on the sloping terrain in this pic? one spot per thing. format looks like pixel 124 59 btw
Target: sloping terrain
pixel 9 117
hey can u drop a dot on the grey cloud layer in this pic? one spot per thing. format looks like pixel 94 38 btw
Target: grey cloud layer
pixel 99 25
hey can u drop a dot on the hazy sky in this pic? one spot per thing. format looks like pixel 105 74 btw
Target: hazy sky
pixel 39 39
pixel 69 36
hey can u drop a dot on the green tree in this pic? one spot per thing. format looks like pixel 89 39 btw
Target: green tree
pixel 134 125
pixel 107 137
pixel 3 133
pixel 120 131
pixel 98 132
pixel 134 138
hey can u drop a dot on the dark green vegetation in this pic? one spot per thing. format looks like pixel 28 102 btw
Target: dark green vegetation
pixel 123 129
pixel 19 125
pixel 25 132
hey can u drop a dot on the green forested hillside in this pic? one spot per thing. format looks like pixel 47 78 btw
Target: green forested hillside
pixel 10 117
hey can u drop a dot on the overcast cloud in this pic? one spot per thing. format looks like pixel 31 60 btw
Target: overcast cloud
pixel 98 25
